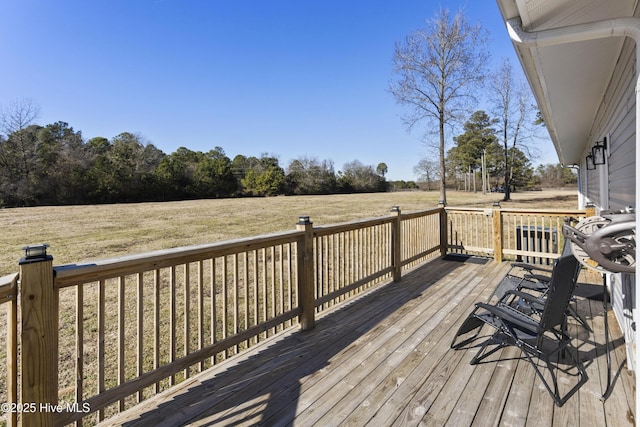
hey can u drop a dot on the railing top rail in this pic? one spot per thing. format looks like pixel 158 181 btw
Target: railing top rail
pixel 74 274
pixel 416 214
pixel 522 211
pixel 352 225
pixel 8 287
pixel 545 211
pixel 368 222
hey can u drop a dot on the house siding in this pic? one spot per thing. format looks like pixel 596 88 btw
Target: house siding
pixel 616 120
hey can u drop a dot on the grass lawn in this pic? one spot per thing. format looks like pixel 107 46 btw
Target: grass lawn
pixel 79 233
pixel 82 233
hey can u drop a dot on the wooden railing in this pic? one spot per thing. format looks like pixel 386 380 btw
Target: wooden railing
pixel 508 234
pixel 8 292
pixel 97 338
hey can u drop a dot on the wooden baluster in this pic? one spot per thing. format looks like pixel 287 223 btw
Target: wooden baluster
pixel 396 244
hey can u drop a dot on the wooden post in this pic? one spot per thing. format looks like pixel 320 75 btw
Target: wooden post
pixel 396 244
pixel 39 339
pixel 306 294
pixel 444 235
pixel 497 232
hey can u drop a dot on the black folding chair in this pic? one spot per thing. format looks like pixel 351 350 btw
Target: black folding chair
pixel 536 278
pixel 540 335
pixel 522 276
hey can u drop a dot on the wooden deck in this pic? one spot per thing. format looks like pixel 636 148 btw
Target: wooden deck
pixel 384 359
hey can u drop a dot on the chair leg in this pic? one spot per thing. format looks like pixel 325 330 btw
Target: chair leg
pixel 495 341
pixel 555 392
pixel 573 312
pixel 471 323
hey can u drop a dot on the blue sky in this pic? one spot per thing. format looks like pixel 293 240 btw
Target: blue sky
pixel 294 78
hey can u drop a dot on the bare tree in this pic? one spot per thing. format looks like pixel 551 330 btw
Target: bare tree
pixel 436 70
pixel 19 145
pixel 18 116
pixel 514 107
pixel 427 171
pixel 18 149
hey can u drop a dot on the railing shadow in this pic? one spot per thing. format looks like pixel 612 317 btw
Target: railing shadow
pixel 265 387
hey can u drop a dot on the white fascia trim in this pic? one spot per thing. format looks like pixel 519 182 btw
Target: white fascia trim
pixel 616 27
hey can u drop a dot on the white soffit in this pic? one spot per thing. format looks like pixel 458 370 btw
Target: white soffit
pixel 569 80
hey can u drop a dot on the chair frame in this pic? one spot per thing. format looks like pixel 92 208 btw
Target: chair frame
pixel 532 332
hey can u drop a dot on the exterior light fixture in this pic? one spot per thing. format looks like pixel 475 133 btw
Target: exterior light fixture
pixel 35 253
pixel 304 219
pixel 599 151
pixel 590 164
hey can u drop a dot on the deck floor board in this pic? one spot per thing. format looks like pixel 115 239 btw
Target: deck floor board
pixel 384 359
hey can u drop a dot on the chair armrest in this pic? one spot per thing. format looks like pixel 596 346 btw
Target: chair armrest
pixel 530 267
pixel 511 315
pixel 539 277
pixel 531 299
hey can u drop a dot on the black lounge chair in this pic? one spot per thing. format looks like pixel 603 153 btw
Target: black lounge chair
pixel 540 335
pixel 536 278
pixel 522 276
pixel 518 278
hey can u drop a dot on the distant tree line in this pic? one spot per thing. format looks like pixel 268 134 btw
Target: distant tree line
pixel 54 165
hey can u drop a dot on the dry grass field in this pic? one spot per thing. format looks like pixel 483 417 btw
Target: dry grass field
pixel 80 233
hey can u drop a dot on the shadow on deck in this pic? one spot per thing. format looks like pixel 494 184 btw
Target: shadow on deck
pixel 384 359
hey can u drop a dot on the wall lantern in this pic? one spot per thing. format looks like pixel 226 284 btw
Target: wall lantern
pixel 590 165
pixel 598 152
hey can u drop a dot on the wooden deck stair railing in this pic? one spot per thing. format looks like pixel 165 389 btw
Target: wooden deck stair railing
pixel 121 330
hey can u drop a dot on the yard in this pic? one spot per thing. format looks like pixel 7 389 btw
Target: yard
pixel 78 233
pixel 89 232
